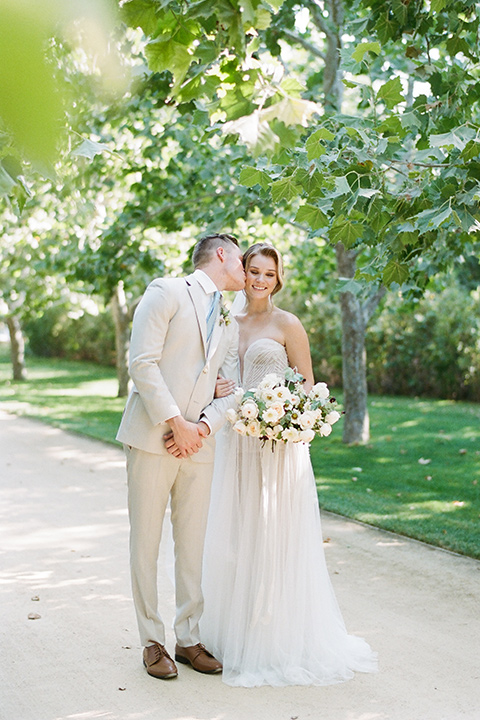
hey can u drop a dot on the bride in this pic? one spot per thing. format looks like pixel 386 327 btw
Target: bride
pixel 270 611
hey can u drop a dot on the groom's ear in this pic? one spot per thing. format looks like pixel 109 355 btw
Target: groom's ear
pixel 220 253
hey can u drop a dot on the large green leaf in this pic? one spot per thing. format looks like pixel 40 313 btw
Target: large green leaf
pixel 471 151
pixel 395 271
pixel 437 6
pixel 463 218
pixel 250 176
pixel 284 189
pixel 385 26
pixel 291 111
pixel 458 138
pixel 312 215
pixel 432 219
pixel 411 120
pixel 345 231
pixel 275 4
pixel 391 93
pixel 90 148
pixel 166 54
pixel 313 145
pixel 400 10
pixel 255 133
pixel 342 186
pixel 364 47
pixel 140 13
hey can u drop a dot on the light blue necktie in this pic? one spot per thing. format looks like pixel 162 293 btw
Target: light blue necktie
pixel 212 314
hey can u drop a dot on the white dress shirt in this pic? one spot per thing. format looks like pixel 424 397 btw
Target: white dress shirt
pixel 207 285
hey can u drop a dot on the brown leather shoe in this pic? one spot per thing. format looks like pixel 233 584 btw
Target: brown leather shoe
pixel 198 657
pixel 158 662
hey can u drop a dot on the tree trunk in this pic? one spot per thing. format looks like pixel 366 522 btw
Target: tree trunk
pixel 355 315
pixel 356 427
pixel 332 81
pixel 17 348
pixel 121 317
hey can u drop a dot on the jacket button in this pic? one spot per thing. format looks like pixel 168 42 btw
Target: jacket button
pixel 205 369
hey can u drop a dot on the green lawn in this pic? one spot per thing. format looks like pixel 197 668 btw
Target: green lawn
pixel 419 475
pixel 76 396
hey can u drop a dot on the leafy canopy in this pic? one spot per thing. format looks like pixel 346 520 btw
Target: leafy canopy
pixel 396 171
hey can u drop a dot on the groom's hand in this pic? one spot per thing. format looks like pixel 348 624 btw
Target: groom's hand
pixel 203 428
pixel 185 438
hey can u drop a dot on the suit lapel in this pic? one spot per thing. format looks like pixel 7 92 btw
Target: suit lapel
pixel 215 339
pixel 196 294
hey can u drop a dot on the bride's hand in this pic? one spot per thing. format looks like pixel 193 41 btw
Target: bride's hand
pixel 223 387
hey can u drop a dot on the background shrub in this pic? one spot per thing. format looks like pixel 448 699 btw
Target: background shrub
pixel 426 347
pixel 57 334
pixel 429 347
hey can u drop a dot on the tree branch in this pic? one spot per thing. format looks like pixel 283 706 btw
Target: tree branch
pixel 370 305
pixel 426 165
pixel 310 47
pixel 151 216
pixel 331 25
pixel 317 17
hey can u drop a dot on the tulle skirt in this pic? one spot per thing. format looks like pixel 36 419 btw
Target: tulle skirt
pixel 270 612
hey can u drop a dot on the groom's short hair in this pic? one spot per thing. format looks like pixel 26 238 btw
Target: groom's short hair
pixel 205 248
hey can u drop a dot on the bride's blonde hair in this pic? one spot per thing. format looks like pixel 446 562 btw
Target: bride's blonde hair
pixel 267 251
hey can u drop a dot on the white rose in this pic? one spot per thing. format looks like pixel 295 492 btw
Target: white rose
pixel 332 417
pixel 268 396
pixel 249 409
pixel 307 436
pixel 231 415
pixel 320 390
pixel 269 381
pixel 278 407
pixel 291 435
pixel 294 400
pixel 325 430
pixel 270 433
pixel 283 393
pixel 307 420
pixel 239 393
pixel 277 429
pixel 240 427
pixel 253 428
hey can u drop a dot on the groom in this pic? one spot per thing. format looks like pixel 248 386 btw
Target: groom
pixel 180 342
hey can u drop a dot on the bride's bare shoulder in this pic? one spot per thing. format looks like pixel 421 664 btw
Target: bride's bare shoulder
pixel 287 320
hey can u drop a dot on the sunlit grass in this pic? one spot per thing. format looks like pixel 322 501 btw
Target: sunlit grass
pixel 76 396
pixel 418 476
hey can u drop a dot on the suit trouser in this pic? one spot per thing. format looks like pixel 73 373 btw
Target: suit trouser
pixel 152 479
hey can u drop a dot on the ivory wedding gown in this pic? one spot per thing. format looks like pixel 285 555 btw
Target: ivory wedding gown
pixel 270 611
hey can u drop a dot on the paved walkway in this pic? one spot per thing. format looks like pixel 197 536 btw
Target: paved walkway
pixel 63 557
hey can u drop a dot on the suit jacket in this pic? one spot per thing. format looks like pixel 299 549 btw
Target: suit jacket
pixel 172 371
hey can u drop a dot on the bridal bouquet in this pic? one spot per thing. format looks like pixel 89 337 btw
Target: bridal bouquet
pixel 280 410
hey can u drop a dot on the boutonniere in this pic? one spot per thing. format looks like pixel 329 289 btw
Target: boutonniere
pixel 225 318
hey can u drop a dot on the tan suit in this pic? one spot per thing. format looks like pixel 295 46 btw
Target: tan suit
pixel 174 373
